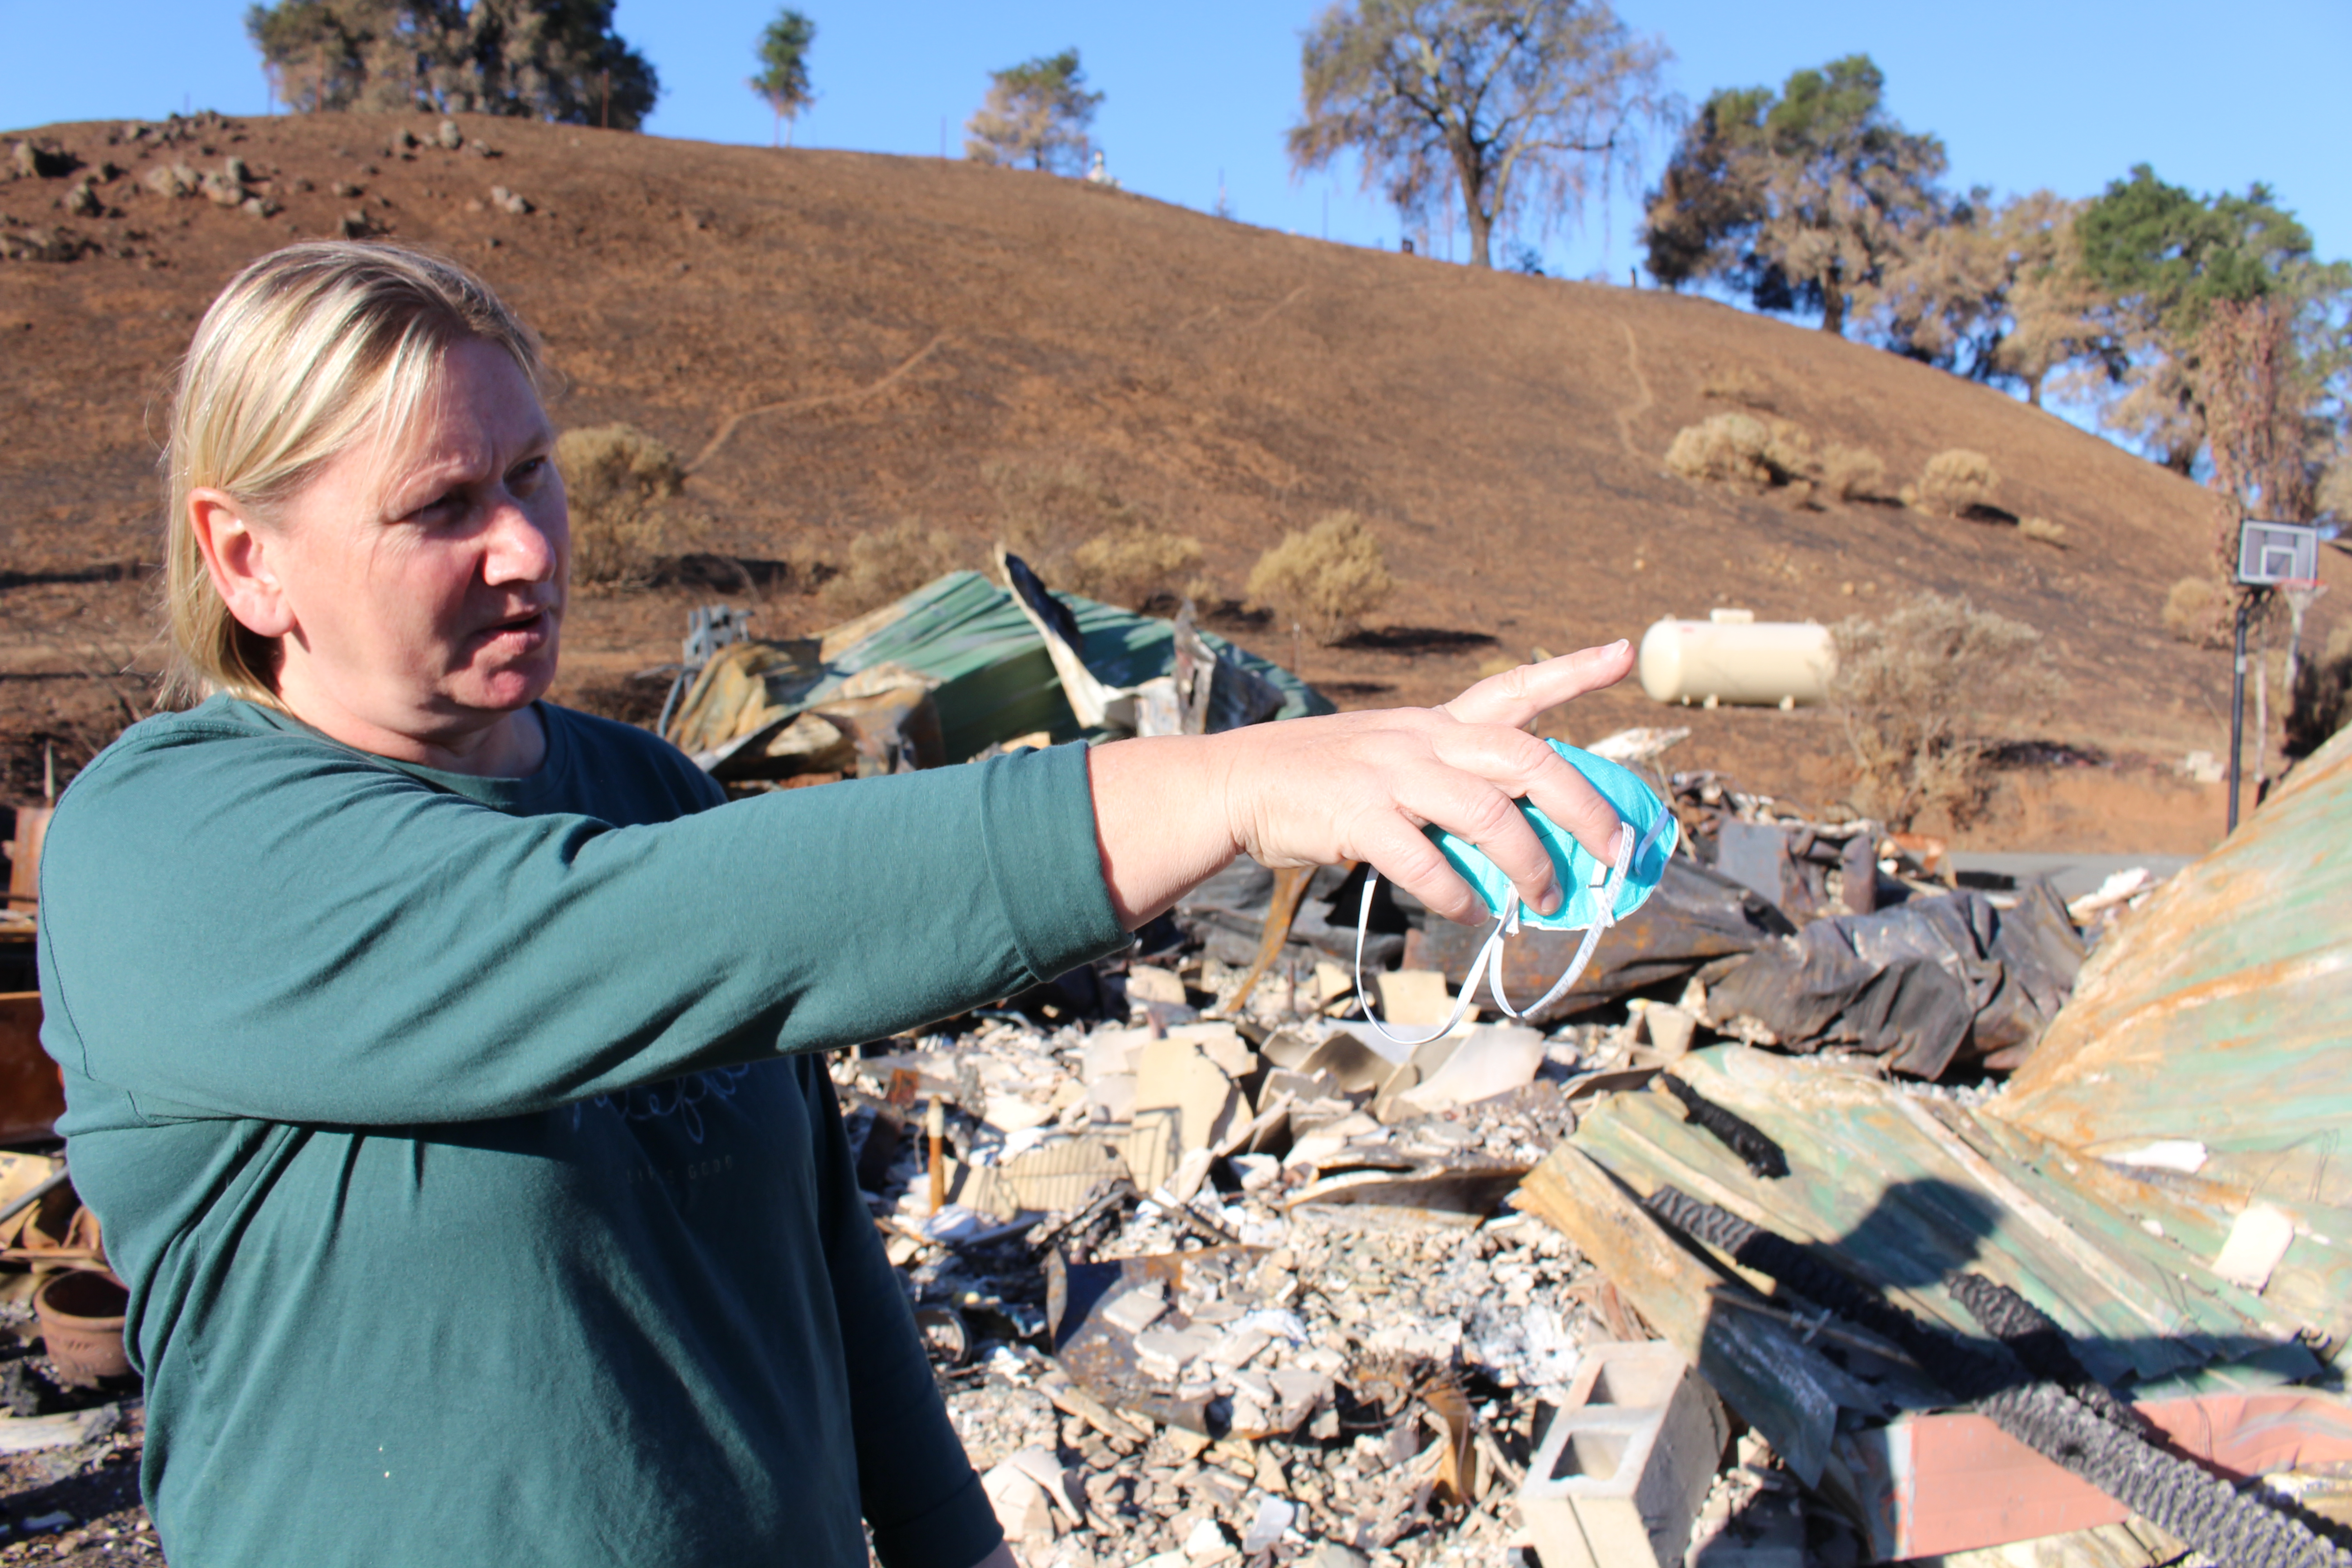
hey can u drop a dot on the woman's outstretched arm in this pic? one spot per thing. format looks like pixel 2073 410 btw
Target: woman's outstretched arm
pixel 1356 786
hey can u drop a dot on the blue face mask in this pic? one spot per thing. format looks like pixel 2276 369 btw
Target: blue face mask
pixel 1581 874
pixel 1598 894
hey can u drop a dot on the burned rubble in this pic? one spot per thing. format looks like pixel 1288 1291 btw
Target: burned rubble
pixel 1213 1273
pixel 1321 1337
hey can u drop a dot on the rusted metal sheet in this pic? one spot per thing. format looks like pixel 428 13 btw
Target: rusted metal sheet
pixel 32 1097
pixel 2220 1015
pixel 1954 1481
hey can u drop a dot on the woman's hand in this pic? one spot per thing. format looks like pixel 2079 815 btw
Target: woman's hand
pixel 1169 811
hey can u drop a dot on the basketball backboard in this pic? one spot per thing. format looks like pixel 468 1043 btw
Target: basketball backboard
pixel 2269 553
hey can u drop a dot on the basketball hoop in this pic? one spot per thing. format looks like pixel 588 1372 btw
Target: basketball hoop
pixel 2300 592
pixel 2272 556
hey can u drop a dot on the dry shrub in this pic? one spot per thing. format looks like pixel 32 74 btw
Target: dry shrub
pixel 1927 693
pixel 1736 384
pixel 2043 529
pixel 621 483
pixel 1080 533
pixel 1723 449
pixel 1326 579
pixel 1954 482
pixel 889 563
pixel 1747 454
pixel 1131 566
pixel 2197 611
pixel 1852 473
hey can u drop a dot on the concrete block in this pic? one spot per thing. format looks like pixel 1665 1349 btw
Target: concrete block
pixel 1625 1466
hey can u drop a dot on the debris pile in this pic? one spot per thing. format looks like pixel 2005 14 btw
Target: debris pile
pixel 1206 1299
pixel 1212 1273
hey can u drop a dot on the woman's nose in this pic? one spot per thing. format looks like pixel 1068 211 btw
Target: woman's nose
pixel 521 550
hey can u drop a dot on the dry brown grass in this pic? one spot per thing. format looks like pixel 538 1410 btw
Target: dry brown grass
pixel 888 563
pixel 1132 565
pixel 1043 509
pixel 1080 533
pixel 1325 580
pixel 1736 384
pixel 1954 482
pixel 622 485
pixel 1926 694
pixel 2197 611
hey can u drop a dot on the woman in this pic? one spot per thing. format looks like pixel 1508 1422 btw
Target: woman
pixel 441 1062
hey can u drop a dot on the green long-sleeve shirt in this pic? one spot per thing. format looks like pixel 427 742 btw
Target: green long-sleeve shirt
pixel 450 1135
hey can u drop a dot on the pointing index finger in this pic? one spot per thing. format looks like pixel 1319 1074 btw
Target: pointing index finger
pixel 1517 696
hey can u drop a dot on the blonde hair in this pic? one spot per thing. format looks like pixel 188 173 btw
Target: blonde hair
pixel 308 351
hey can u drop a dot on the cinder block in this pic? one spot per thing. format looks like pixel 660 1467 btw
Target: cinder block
pixel 1623 1468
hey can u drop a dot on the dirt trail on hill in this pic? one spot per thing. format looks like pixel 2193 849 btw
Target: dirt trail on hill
pixel 841 340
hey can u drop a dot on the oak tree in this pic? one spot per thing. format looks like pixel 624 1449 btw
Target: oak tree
pixel 1798 198
pixel 1504 106
pixel 2167 258
pixel 1035 112
pixel 1996 291
pixel 541 59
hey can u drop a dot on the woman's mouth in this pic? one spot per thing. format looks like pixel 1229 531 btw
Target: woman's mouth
pixel 525 629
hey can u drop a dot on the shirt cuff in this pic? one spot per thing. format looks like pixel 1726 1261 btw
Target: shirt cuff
pixel 1038 826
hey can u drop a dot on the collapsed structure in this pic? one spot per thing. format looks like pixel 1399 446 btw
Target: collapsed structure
pixel 1211 1277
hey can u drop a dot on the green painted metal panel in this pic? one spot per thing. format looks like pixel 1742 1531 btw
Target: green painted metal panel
pixel 2222 1013
pixel 996 681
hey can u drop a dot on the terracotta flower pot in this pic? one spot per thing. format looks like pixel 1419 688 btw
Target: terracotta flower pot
pixel 80 1315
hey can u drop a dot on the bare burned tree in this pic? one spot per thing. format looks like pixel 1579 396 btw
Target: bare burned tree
pixel 1505 105
pixel 2254 411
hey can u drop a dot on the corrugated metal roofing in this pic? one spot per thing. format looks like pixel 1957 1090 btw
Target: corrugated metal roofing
pixel 2220 1015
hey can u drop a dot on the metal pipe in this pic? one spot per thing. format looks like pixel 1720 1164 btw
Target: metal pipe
pixel 2237 711
pixel 27 1199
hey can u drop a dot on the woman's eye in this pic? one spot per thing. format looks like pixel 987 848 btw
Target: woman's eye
pixel 527 475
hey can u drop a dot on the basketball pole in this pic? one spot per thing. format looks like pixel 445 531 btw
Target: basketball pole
pixel 2237 712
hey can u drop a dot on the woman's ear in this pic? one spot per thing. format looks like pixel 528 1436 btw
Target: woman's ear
pixel 238 557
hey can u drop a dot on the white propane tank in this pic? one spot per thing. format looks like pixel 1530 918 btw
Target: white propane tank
pixel 1734 657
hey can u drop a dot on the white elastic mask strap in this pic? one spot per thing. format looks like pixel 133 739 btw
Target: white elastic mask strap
pixel 1491 953
pixel 1607 887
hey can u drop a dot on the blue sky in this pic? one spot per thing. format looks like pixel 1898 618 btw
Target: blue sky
pixel 2063 93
